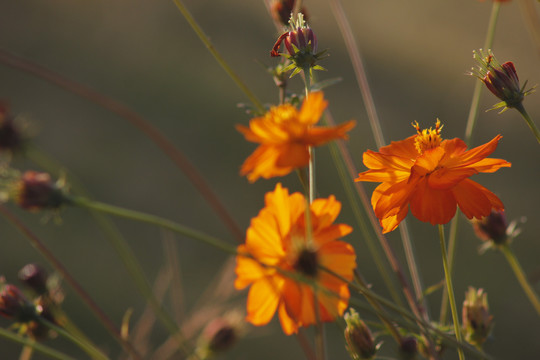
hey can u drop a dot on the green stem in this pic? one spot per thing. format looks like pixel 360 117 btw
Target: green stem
pixel 520 275
pixel 450 287
pixel 471 123
pixel 154 220
pixel 529 121
pixel 206 41
pixel 43 349
pixel 93 352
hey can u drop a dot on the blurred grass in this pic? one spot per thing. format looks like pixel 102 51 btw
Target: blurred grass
pixel 145 55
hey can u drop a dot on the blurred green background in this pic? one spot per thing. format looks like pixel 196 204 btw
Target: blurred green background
pixel 144 54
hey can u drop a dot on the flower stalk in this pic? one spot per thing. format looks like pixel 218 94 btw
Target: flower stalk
pixel 450 289
pixel 520 275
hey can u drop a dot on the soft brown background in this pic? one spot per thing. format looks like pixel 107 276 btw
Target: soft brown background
pixel 144 54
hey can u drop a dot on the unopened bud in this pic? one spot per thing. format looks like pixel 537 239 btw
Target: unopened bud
pixel 36 191
pixel 13 304
pixel 477 322
pixel 35 277
pixel 11 138
pixel 408 349
pixel 492 228
pixel 360 341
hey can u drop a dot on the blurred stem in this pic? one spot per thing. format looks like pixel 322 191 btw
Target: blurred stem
pixel 154 220
pixel 137 121
pixel 529 121
pixel 43 349
pixel 92 351
pixel 450 287
pixel 471 122
pixel 125 253
pixel 473 112
pixel 366 234
pixel 388 323
pixel 532 20
pixel 361 78
pixel 520 275
pixel 59 267
pixel 26 353
pixel 206 41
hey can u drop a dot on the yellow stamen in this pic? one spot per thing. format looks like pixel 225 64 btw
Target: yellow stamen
pixel 427 138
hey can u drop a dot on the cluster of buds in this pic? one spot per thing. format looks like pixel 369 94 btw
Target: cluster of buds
pixel 477 322
pixel 501 80
pixel 301 45
pixel 360 342
pixel 281 11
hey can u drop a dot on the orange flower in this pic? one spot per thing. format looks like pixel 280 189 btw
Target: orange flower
pixel 431 176
pixel 285 135
pixel 277 240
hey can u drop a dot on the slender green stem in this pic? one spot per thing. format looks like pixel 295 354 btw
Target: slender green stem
pixel 450 287
pixel 93 352
pixel 154 220
pixel 206 41
pixel 520 275
pixel 469 129
pixel 529 121
pixel 43 349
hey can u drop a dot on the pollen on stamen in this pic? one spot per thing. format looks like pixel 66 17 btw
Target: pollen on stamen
pixel 428 138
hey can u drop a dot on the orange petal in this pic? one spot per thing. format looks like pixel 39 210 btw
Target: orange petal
pixel 262 301
pixel 312 108
pixel 288 325
pixel 490 165
pixel 339 257
pixel 432 205
pixel 446 178
pixel 403 148
pixel 388 162
pixel 292 155
pixel 474 155
pixel 247 270
pixel 316 136
pixel 262 163
pixel 475 200
pixel 325 211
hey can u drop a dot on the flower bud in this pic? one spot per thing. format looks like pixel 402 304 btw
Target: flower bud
pixel 501 80
pixel 281 11
pixel 408 349
pixel 35 277
pixel 360 341
pixel 477 322
pixel 36 191
pixel 220 334
pixel 301 45
pixel 492 228
pixel 13 304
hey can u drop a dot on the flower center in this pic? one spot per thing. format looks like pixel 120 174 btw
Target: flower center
pixel 306 263
pixel 428 138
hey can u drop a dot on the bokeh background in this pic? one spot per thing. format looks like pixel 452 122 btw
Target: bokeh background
pixel 144 54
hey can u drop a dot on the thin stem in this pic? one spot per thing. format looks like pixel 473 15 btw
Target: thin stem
pixel 473 112
pixel 146 127
pixel 520 275
pixel 59 267
pixel 532 21
pixel 154 220
pixel 359 70
pixel 43 349
pixel 450 287
pixel 529 121
pixel 125 253
pixel 206 41
pixel 469 129
pixel 93 352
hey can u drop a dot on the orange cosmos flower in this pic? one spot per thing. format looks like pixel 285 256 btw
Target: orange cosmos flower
pixel 431 176
pixel 277 240
pixel 285 135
